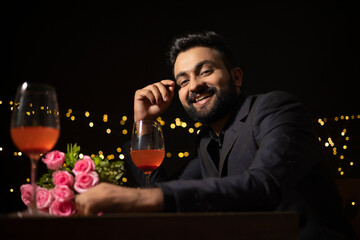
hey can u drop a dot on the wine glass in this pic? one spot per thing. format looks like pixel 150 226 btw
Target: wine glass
pixel 35 125
pixel 147 146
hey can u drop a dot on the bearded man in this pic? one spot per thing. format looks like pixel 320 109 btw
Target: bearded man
pixel 255 153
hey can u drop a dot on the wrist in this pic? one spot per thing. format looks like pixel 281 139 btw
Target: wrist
pixel 149 200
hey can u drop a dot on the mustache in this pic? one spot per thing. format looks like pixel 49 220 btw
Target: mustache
pixel 205 89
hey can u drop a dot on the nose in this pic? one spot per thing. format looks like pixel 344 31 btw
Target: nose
pixel 195 84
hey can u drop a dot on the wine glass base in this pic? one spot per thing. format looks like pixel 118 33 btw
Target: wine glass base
pixel 31 212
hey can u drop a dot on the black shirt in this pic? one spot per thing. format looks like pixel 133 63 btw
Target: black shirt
pixel 215 146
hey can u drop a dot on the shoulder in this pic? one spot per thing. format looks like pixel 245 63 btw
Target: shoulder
pixel 276 101
pixel 276 98
pixel 278 107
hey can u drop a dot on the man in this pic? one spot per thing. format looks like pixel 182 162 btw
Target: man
pixel 257 153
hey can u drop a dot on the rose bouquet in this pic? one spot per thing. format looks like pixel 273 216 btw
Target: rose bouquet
pixel 67 175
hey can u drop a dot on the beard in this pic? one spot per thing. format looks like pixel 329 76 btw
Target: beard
pixel 224 102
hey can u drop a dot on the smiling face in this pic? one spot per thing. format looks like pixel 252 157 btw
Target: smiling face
pixel 207 90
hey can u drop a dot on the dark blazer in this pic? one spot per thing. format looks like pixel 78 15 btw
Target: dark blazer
pixel 270 161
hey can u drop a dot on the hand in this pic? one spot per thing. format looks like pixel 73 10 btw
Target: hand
pixel 106 197
pixel 152 100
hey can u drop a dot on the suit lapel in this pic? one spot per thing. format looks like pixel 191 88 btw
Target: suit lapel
pixel 233 129
pixel 229 140
pixel 208 162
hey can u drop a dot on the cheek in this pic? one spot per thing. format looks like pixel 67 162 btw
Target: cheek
pixel 224 79
pixel 183 96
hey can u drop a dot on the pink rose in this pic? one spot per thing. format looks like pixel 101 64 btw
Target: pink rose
pixel 63 193
pixel 44 199
pixel 62 209
pixel 63 178
pixel 26 193
pixel 85 180
pixel 84 165
pixel 54 159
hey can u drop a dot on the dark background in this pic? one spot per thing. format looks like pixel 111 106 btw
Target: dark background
pixel 97 53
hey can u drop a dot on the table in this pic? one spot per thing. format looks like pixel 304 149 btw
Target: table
pixel 202 226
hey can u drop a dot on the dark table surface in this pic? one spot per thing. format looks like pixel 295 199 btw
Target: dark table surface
pixel 203 226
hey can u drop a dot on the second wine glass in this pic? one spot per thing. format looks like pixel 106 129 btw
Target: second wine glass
pixel 147 146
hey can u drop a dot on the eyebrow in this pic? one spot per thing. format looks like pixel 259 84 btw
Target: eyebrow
pixel 198 65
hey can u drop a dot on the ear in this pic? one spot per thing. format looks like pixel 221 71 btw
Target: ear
pixel 237 75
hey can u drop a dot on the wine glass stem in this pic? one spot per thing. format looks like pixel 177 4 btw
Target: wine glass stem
pixel 34 160
pixel 147 176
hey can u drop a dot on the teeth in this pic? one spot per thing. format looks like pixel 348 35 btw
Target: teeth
pixel 201 98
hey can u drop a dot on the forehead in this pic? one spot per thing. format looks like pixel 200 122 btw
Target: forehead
pixel 187 60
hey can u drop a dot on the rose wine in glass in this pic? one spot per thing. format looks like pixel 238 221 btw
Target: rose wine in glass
pixel 147 146
pixel 35 125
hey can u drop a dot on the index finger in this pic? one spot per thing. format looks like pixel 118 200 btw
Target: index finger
pixel 168 83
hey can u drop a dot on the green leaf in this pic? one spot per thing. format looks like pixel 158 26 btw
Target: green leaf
pixel 46 180
pixel 96 160
pixel 72 155
pixel 104 163
pixel 118 176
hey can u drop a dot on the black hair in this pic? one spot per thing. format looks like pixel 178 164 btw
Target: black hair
pixel 201 39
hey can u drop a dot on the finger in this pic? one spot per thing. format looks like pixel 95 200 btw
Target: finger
pixel 79 206
pixel 156 89
pixel 86 209
pixel 164 91
pixel 145 94
pixel 87 212
pixel 170 84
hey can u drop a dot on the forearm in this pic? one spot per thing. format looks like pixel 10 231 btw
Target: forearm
pixel 111 198
pixel 247 191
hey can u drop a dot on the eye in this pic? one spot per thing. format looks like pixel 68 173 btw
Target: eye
pixel 206 72
pixel 183 82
